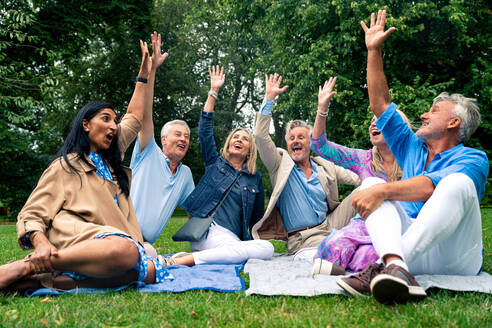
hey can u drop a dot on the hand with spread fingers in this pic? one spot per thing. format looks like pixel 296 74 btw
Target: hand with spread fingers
pixel 272 86
pixel 375 34
pixel 217 77
pixel 157 57
pixel 325 95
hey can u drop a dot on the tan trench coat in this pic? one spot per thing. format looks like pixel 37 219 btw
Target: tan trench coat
pixel 279 165
pixel 71 208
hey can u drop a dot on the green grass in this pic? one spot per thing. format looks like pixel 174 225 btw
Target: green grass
pixel 206 308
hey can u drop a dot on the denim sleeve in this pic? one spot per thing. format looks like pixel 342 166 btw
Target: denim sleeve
pixel 266 107
pixel 206 136
pixel 259 206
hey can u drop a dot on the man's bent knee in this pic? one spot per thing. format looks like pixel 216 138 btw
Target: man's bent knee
pixel 456 184
pixel 369 182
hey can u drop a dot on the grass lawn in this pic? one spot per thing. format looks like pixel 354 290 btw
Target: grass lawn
pixel 205 308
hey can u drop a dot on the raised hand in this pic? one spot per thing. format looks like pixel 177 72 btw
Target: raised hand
pixel 272 86
pixel 146 64
pixel 325 94
pixel 217 77
pixel 375 35
pixel 157 57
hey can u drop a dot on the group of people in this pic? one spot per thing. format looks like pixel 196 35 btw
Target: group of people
pixel 415 209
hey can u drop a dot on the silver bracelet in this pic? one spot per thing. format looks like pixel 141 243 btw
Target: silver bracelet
pixel 213 94
pixel 322 114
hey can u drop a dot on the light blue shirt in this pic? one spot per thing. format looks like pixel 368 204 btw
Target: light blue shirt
pixel 302 202
pixel 411 154
pixel 266 107
pixel 155 191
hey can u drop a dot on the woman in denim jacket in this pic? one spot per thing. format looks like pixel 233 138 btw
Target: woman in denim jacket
pixel 228 239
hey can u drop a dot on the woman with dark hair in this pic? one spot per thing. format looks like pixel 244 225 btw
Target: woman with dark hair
pixel 231 188
pixel 79 219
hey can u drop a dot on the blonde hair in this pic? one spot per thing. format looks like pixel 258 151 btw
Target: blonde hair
pixel 252 154
pixel 377 165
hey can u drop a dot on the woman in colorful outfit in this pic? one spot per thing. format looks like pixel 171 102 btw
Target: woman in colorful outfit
pixel 228 240
pixel 350 248
pixel 79 219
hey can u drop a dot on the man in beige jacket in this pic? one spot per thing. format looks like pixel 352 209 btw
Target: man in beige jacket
pixel 304 204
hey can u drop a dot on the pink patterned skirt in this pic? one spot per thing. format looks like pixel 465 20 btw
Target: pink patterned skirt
pixel 349 247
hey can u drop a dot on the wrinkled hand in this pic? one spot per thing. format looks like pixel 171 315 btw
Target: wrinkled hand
pixel 272 86
pixel 146 64
pixel 325 94
pixel 368 200
pixel 375 35
pixel 40 258
pixel 217 77
pixel 157 57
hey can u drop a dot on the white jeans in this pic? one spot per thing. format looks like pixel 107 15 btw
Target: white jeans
pixel 221 246
pixel 446 236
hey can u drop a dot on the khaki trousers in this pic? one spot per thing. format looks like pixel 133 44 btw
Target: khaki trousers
pixel 336 219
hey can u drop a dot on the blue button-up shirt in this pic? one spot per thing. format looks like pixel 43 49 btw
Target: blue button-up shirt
pixel 411 154
pixel 155 191
pixel 302 202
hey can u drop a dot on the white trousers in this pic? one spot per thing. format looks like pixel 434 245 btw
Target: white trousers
pixel 445 238
pixel 221 246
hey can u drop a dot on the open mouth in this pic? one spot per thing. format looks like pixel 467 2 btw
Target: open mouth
pixel 182 146
pixel 296 148
pixel 109 137
pixel 375 132
pixel 238 146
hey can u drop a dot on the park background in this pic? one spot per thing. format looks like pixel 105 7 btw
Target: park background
pixel 56 56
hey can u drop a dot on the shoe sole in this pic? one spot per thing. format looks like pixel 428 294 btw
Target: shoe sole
pixel 349 289
pixel 388 289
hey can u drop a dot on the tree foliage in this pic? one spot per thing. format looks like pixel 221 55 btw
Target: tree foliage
pixel 55 56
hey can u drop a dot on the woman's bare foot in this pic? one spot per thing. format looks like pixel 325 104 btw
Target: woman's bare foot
pixel 13 271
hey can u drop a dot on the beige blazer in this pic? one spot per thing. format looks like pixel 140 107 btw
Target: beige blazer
pixel 279 165
pixel 71 208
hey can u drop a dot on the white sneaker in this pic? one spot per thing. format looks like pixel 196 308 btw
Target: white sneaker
pixel 167 261
pixel 327 268
pixel 306 254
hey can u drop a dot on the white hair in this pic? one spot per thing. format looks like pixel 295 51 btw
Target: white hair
pixel 466 109
pixel 165 129
pixel 295 124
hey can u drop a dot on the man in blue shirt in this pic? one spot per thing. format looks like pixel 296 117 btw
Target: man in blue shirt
pixel 304 205
pixel 159 181
pixel 429 222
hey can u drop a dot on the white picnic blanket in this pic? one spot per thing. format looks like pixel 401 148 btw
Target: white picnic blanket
pixel 283 276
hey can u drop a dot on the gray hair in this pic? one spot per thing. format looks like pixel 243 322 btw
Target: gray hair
pixel 165 129
pixel 466 109
pixel 295 124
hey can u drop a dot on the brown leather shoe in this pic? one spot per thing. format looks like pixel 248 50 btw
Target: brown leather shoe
pixel 359 283
pixel 396 285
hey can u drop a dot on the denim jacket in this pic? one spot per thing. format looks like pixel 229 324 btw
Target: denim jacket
pixel 219 176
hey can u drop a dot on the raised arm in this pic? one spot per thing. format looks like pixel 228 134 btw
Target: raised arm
pixel 377 86
pixel 266 148
pixel 137 103
pixel 324 97
pixel 217 78
pixel 205 130
pixel 155 61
